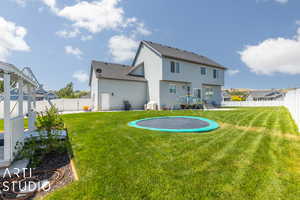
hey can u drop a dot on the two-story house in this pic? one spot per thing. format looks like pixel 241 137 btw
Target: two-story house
pixel 159 74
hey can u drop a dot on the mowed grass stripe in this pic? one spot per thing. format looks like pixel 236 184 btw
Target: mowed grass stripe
pixel 224 170
pixel 214 141
pixel 260 172
pixel 288 167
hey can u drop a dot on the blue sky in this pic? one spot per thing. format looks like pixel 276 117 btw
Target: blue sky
pixel 259 40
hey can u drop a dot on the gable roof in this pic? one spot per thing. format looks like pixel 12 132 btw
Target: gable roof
pixel 172 52
pixel 113 71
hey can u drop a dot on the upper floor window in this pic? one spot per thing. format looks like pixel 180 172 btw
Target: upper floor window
pixel 175 67
pixel 203 71
pixel 172 89
pixel 215 73
pixel 172 66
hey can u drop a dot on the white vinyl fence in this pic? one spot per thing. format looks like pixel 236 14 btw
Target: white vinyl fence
pixel 253 103
pixel 292 103
pixel 63 105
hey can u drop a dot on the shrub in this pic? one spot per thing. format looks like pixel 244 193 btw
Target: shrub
pixel 183 106
pixel 48 124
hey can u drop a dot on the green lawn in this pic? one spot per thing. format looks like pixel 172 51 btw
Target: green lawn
pixel 254 155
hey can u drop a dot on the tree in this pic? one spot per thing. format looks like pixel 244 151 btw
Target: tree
pixel 66 92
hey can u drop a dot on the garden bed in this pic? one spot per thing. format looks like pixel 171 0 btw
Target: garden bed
pixel 54 167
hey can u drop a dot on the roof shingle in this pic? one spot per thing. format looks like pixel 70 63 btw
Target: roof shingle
pixel 114 71
pixel 182 54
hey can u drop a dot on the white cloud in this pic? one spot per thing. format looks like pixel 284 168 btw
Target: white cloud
pixel 95 16
pixel 278 1
pixel 11 38
pixel 68 34
pixel 282 1
pixel 298 22
pixel 81 76
pixel 86 38
pixel 40 9
pixel 73 51
pixel 51 4
pixel 274 55
pixel 21 2
pixel 232 72
pixel 122 48
pixel 141 29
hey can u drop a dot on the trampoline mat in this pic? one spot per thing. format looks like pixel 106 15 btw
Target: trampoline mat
pixel 173 123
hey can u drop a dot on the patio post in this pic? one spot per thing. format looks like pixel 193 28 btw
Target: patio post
pixel 21 97
pixel 30 111
pixel 33 117
pixel 20 104
pixel 7 122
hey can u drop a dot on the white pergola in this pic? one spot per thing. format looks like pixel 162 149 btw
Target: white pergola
pixel 14 125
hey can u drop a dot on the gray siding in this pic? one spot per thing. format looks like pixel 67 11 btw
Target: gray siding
pixel 170 99
pixel 217 94
pixel 190 72
pixel 120 90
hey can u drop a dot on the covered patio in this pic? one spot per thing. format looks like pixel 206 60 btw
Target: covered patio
pixel 13 110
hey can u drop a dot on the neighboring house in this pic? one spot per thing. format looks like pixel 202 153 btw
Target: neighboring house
pixel 265 95
pixel 42 94
pixel 159 74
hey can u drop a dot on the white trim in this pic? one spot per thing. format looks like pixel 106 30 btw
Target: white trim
pixel 20 99
pixel 150 47
pixel 9 68
pixel 7 135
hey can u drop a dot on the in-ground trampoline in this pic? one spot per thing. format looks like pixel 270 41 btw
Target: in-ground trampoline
pixel 183 124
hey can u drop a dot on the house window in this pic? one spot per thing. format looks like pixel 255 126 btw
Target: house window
pixel 197 93
pixel 172 67
pixel 203 71
pixel 209 93
pixel 215 74
pixel 177 68
pixel 172 89
pixel 188 90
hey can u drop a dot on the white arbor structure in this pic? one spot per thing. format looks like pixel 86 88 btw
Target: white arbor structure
pixel 14 125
